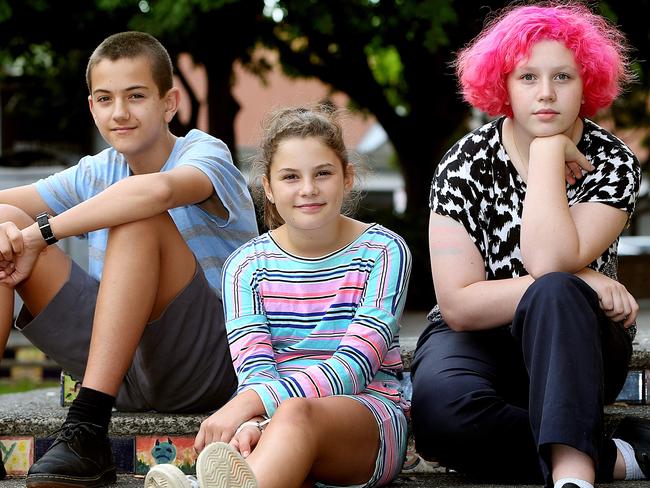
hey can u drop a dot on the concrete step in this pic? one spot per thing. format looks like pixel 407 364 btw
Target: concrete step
pixel 28 419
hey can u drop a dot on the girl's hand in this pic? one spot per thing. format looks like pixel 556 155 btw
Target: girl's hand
pixel 246 440
pixel 575 163
pixel 221 425
pixel 218 427
pixel 617 303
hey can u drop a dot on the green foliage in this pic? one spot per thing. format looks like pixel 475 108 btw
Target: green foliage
pixel 19 386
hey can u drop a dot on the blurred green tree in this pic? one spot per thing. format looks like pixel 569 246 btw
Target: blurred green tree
pixel 391 57
pixel 44 47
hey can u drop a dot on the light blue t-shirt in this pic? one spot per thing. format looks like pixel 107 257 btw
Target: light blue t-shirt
pixel 211 238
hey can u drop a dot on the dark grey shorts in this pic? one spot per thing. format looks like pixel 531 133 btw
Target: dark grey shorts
pixel 182 364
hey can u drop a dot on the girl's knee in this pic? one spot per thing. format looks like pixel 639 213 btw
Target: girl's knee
pixel 558 289
pixel 296 411
pixel 556 283
pixel 436 403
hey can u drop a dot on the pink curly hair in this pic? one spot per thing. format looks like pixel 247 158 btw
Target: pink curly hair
pixel 600 51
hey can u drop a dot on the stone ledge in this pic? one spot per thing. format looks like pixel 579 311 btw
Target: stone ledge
pixel 640 360
pixel 37 413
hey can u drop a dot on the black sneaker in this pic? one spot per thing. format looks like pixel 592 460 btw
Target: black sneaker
pixel 3 471
pixel 636 432
pixel 80 456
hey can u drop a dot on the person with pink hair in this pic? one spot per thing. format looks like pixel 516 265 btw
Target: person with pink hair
pixel 532 333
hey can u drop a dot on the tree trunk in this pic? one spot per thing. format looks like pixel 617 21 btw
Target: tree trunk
pixel 222 106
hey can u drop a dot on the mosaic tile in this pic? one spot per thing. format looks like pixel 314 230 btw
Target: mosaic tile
pixel 633 391
pixel 69 389
pixel 406 385
pixel 123 452
pixel 17 454
pixel 177 450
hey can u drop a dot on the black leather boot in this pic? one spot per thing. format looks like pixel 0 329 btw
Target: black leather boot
pixel 80 456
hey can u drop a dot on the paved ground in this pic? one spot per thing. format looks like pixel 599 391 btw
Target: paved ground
pixel 432 481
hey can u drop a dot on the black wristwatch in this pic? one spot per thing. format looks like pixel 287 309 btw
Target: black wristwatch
pixel 43 221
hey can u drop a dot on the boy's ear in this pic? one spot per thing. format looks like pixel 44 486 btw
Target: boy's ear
pixel 172 101
pixel 91 107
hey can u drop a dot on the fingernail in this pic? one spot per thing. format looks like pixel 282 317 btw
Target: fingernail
pixel 245 454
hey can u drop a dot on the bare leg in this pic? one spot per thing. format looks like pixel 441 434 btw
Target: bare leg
pixel 48 276
pixel 6 316
pixel 568 462
pixel 333 439
pixel 619 466
pixel 147 264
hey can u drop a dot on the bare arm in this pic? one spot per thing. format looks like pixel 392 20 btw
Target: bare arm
pixel 134 198
pixel 25 198
pixel 469 302
pixel 466 299
pixel 555 237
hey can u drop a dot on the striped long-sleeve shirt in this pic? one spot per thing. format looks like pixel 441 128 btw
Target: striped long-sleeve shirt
pixel 315 327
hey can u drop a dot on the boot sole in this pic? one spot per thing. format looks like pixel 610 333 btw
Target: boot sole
pixel 61 481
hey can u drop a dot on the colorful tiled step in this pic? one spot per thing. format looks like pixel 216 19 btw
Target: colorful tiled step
pixel 142 439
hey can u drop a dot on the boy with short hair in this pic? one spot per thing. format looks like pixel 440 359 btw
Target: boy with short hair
pixel 144 327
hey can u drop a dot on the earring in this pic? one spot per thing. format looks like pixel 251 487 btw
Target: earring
pixel 270 199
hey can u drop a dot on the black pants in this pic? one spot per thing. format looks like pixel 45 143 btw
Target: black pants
pixel 489 403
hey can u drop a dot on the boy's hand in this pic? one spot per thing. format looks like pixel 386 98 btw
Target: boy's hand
pixel 19 250
pixel 11 241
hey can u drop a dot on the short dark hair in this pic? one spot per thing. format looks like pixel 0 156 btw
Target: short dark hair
pixel 130 45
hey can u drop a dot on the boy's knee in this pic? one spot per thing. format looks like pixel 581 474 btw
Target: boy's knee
pixel 143 228
pixel 9 213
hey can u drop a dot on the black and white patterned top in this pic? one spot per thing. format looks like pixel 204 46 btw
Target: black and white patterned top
pixel 477 185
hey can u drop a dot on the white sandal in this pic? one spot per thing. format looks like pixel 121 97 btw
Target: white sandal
pixel 220 466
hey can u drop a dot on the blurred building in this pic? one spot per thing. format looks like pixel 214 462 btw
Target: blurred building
pixel 383 183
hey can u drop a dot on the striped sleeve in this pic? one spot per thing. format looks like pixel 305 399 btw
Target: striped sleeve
pixel 246 322
pixel 369 335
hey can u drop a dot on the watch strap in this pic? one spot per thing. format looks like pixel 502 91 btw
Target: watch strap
pixel 43 222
